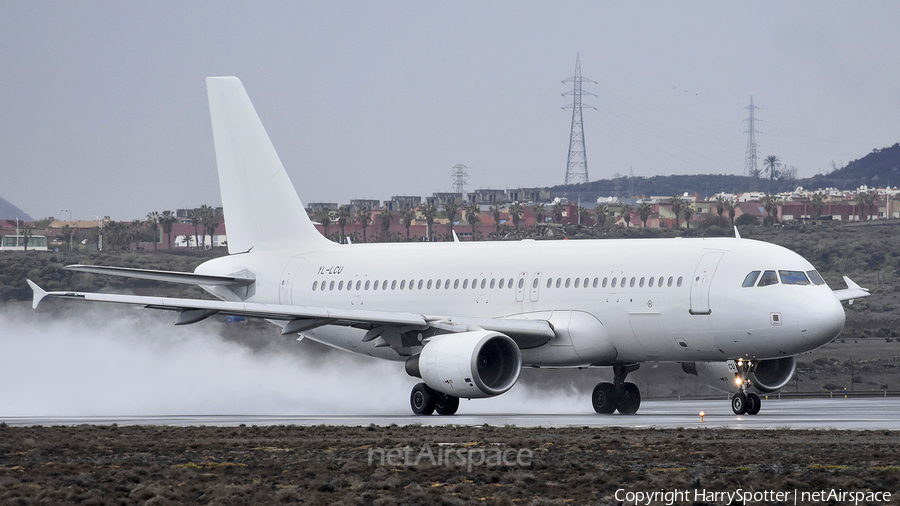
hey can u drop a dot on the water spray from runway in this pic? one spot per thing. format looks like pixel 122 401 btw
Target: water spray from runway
pixel 83 360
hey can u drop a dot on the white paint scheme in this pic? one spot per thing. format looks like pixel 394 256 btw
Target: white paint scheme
pixel 556 299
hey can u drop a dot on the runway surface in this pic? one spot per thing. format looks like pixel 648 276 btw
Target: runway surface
pixel 853 414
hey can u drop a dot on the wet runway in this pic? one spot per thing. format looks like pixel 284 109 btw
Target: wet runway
pixel 854 414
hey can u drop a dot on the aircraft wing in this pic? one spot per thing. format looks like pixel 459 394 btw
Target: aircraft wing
pixel 853 291
pixel 302 318
pixel 170 276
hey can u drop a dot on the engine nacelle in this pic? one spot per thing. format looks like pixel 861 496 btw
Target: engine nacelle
pixel 469 365
pixel 769 376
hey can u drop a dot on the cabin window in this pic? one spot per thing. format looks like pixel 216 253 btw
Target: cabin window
pixel 604 282
pixel 813 276
pixel 502 282
pixel 474 283
pixel 492 283
pixel 577 282
pixel 614 281
pixel 669 283
pixel 483 282
pixel 437 284
pixel 331 286
pixel 340 286
pixel 585 283
pixel 509 282
pixel 595 282
pixel 465 283
pixel 521 282
pixel 315 283
pixel 750 280
pixel 455 284
pixel 421 282
pixel 394 285
pixel 402 284
pixel 428 286
pixel 375 285
pixel 768 278
pixel 558 282
pixel 660 282
pixel 680 279
pixel 367 284
pixel 549 282
pixel 641 283
pixel 622 283
pixel 568 280
pixel 793 277
pixel 632 283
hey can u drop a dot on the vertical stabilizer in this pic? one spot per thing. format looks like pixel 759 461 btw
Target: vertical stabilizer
pixel 261 206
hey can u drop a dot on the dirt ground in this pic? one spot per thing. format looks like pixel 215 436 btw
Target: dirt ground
pixel 456 464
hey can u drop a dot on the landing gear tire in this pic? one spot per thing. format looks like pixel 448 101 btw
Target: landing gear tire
pixel 753 403
pixel 605 398
pixel 446 404
pixel 630 399
pixel 739 403
pixel 423 399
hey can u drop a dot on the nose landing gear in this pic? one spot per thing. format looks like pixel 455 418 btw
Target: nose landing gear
pixel 743 402
pixel 618 395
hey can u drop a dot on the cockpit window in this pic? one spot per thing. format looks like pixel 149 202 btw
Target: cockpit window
pixel 793 277
pixel 768 278
pixel 815 278
pixel 750 280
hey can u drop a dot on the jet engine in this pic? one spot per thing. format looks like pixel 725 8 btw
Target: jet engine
pixel 768 376
pixel 470 365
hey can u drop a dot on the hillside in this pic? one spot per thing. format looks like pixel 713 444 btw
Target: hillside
pixel 11 212
pixel 879 168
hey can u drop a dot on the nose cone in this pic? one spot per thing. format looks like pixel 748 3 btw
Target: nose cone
pixel 821 318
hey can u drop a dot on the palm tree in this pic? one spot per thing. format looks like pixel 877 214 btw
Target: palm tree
pixel 720 207
pixel 386 217
pixel 167 219
pixel 323 216
pixel 153 218
pixel 407 215
pixel 538 210
pixel 495 211
pixel 600 214
pixel 471 213
pixel 135 232
pixel 558 211
pixel 429 213
pixel 202 218
pixel 583 215
pixel 817 202
pixel 211 223
pixel 195 216
pixel 866 200
pixel 677 204
pixel 452 209
pixel 364 217
pixel 688 211
pixel 731 207
pixel 644 211
pixel 343 216
pixel 770 205
pixel 626 214
pixel 67 233
pixel 515 213
pixel 27 233
pixel 772 163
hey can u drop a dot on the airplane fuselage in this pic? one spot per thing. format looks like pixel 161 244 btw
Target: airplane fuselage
pixel 609 301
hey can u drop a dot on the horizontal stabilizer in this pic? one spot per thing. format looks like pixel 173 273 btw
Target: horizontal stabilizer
pixel 39 294
pixel 853 291
pixel 169 276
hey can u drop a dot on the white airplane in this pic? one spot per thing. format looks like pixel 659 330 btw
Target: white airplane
pixel 465 317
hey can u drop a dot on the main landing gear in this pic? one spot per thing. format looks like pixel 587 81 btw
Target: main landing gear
pixel 425 401
pixel 618 395
pixel 743 402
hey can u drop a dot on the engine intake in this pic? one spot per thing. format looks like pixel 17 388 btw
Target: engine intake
pixel 470 365
pixel 769 376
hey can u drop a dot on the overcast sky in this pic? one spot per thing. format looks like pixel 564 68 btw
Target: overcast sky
pixel 103 106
